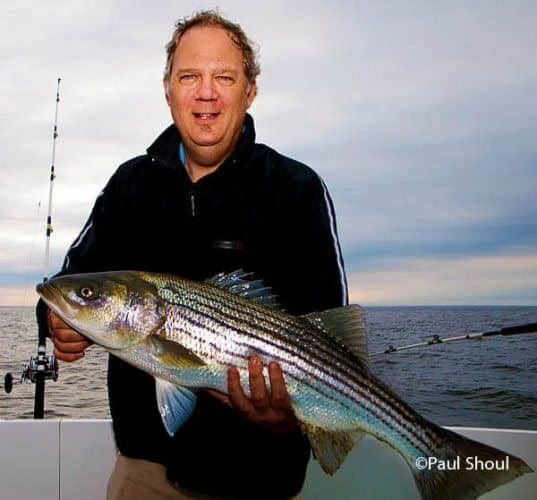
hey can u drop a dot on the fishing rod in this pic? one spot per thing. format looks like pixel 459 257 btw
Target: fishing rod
pixel 45 366
pixel 509 330
pixel 42 366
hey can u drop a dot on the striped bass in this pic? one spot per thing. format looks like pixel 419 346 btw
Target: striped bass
pixel 186 334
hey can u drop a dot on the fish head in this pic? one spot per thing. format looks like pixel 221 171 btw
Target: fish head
pixel 116 309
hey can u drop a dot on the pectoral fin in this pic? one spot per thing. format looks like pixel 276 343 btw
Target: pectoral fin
pixel 173 354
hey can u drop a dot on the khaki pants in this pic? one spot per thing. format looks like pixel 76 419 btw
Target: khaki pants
pixel 135 479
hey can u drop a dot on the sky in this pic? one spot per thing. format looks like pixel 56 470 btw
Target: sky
pixel 420 116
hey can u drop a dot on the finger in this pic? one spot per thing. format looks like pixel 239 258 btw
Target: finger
pixel 49 323
pixel 70 347
pixel 67 335
pixel 258 390
pixel 61 330
pixel 62 356
pixel 279 397
pixel 236 395
pixel 55 321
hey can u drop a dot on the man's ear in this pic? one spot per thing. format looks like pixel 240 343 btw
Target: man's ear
pixel 166 85
pixel 251 92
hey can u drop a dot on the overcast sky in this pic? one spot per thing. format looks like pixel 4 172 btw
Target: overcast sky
pixel 420 116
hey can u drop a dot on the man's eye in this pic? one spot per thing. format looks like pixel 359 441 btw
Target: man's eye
pixel 187 78
pixel 225 79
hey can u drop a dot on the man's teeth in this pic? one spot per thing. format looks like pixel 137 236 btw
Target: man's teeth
pixel 206 115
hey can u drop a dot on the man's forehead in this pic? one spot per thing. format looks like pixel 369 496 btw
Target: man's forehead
pixel 215 68
pixel 207 46
pixel 199 37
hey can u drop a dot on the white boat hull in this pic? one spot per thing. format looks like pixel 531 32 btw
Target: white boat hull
pixel 72 459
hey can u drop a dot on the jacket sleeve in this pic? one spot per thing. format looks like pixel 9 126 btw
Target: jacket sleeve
pixel 92 250
pixel 307 272
pixel 313 264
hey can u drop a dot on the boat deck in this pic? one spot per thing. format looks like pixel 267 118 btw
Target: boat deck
pixel 72 459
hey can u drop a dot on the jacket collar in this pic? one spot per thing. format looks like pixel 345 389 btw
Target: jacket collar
pixel 165 149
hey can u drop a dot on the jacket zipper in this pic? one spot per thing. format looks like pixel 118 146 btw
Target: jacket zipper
pixel 193 204
pixel 191 200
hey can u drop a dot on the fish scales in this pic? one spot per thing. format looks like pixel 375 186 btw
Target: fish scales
pixel 221 313
pixel 216 316
pixel 188 333
pixel 293 330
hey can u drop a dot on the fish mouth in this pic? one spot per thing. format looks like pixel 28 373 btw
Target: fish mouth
pixel 55 300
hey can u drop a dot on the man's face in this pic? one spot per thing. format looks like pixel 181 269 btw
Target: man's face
pixel 208 92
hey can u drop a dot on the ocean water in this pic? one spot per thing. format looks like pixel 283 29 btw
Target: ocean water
pixel 79 392
pixel 491 382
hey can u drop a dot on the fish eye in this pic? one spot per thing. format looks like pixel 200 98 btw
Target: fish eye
pixel 86 292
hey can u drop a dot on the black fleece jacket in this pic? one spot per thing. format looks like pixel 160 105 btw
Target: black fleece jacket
pixel 259 211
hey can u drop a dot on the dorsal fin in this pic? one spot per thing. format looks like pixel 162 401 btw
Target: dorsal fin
pixel 246 285
pixel 346 325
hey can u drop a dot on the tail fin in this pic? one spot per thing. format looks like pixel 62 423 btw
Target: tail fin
pixel 465 469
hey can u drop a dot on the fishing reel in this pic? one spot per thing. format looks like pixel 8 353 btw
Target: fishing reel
pixel 41 363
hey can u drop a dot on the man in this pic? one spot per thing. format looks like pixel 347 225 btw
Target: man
pixel 204 199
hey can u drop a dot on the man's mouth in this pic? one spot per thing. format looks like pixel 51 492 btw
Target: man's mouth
pixel 206 116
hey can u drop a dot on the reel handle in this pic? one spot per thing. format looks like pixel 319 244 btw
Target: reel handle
pixel 8 382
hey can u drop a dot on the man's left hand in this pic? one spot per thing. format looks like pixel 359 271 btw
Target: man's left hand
pixel 270 409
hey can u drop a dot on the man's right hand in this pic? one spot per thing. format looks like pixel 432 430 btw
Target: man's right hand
pixel 69 345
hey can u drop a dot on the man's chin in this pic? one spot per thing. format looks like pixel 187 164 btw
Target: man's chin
pixel 207 142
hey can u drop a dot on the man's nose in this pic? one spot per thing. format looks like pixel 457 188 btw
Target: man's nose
pixel 206 90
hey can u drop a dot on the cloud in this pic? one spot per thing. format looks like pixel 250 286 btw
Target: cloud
pixel 494 279
pixel 420 117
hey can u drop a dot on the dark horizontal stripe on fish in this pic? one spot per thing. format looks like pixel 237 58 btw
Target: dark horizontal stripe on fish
pixel 209 297
pixel 391 406
pixel 397 427
pixel 385 413
pixel 290 376
pixel 208 308
pixel 293 325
